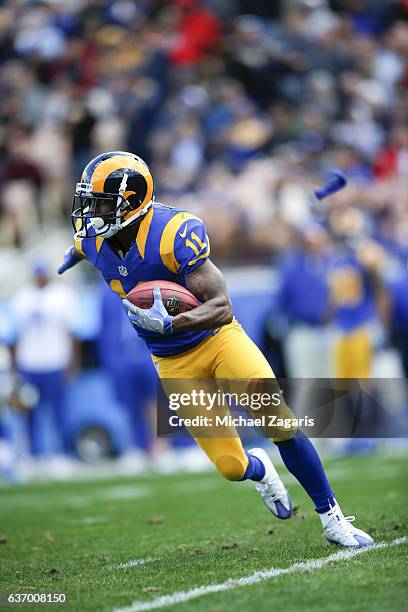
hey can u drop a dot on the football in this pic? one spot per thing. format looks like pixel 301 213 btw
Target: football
pixel 176 298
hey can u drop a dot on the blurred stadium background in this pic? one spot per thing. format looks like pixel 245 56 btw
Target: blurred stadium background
pixel 241 107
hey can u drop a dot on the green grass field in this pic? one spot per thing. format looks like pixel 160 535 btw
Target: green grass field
pixel 194 531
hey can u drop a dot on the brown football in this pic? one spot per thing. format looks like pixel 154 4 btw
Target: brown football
pixel 176 298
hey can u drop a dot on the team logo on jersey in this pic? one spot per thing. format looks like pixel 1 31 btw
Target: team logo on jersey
pixel 123 270
pixel 184 232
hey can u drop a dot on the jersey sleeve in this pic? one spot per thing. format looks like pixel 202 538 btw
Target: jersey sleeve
pixel 184 244
pixel 191 246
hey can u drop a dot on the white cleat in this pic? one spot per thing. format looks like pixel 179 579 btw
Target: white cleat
pixel 339 530
pixel 271 488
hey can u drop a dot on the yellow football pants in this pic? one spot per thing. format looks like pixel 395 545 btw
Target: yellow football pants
pixel 227 354
pixel 353 355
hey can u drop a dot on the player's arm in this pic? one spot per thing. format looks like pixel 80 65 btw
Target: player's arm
pixel 208 285
pixel 71 257
pixel 189 258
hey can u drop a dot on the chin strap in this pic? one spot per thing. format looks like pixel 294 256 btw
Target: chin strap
pixel 139 214
pixel 114 229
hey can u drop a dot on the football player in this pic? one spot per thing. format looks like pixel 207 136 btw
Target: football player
pixel 130 238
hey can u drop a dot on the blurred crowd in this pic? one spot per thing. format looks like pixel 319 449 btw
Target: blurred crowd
pixel 241 108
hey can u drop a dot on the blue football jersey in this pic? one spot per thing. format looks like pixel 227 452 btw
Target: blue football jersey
pixel 170 244
pixel 351 293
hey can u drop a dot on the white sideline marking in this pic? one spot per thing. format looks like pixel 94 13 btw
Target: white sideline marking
pixel 312 564
pixel 134 562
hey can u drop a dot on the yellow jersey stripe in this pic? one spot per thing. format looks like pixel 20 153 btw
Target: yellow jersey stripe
pixel 117 287
pixel 78 245
pixel 143 232
pixel 98 243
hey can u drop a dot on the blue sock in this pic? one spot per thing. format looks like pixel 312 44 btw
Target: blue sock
pixel 255 469
pixel 300 457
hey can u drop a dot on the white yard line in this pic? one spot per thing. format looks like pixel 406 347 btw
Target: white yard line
pixel 261 576
pixel 134 563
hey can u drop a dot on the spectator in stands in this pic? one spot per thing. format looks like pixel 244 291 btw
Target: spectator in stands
pixel 197 33
pixel 21 181
pixel 228 82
